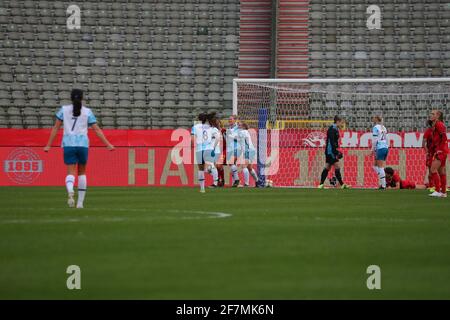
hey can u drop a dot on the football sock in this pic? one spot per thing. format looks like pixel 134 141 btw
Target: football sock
pixel 324 176
pixel 221 174
pixel 436 181
pixel 246 176
pixel 443 181
pixel 215 175
pixel 430 181
pixel 70 180
pixel 337 172
pixel 375 168
pixel 254 175
pixel 382 177
pixel 234 172
pixel 201 179
pixel 82 185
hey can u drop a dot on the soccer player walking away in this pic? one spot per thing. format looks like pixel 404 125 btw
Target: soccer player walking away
pixel 233 150
pixel 427 143
pixel 332 154
pixel 440 148
pixel 201 140
pixel 76 119
pixel 249 154
pixel 380 150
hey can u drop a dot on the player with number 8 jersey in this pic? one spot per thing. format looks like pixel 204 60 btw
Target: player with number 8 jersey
pixel 76 119
pixel 380 149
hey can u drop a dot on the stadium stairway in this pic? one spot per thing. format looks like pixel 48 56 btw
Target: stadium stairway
pixel 255 39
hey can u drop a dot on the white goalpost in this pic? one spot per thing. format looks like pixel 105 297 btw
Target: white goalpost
pixel 290 118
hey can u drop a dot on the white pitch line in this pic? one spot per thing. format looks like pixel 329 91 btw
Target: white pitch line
pixel 206 215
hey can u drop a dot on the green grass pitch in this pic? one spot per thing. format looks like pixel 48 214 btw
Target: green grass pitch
pixel 175 243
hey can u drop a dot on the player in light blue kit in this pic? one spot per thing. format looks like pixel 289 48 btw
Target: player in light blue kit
pixel 249 151
pixel 233 148
pixel 201 141
pixel 76 119
pixel 380 150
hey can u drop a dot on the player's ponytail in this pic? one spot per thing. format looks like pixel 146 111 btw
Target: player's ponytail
pixel 441 115
pixel 76 96
pixel 337 119
pixel 212 119
pixel 203 117
pixel 389 171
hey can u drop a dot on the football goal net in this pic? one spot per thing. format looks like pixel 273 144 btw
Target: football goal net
pixel 289 118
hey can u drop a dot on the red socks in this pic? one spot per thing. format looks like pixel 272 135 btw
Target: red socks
pixel 436 181
pixel 430 181
pixel 221 174
pixel 443 183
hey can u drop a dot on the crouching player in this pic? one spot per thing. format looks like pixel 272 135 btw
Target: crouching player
pixel 332 154
pixel 393 181
pixel 440 148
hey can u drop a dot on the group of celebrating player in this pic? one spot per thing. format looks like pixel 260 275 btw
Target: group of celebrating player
pixel 216 146
pixel 434 142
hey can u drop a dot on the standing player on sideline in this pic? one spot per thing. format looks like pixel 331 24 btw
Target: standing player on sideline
pixel 249 150
pixel 440 148
pixel 233 150
pixel 427 143
pixel 77 119
pixel 201 140
pixel 332 154
pixel 380 150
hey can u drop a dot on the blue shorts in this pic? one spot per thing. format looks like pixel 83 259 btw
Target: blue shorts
pixel 382 154
pixel 75 155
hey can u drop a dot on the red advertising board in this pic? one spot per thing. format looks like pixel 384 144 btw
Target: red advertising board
pixel 164 158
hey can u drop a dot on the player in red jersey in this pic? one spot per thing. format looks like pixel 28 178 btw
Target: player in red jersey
pixel 440 150
pixel 427 142
pixel 393 181
pixel 222 160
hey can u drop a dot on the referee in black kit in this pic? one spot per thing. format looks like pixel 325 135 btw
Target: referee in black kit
pixel 332 154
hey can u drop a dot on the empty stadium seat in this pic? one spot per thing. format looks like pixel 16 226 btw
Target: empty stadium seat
pixel 137 43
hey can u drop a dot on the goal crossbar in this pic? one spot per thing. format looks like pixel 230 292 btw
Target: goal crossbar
pixel 330 80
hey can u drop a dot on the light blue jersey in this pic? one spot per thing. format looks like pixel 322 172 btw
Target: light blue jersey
pixel 76 128
pixel 203 136
pixel 379 140
pixel 216 138
pixel 232 138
